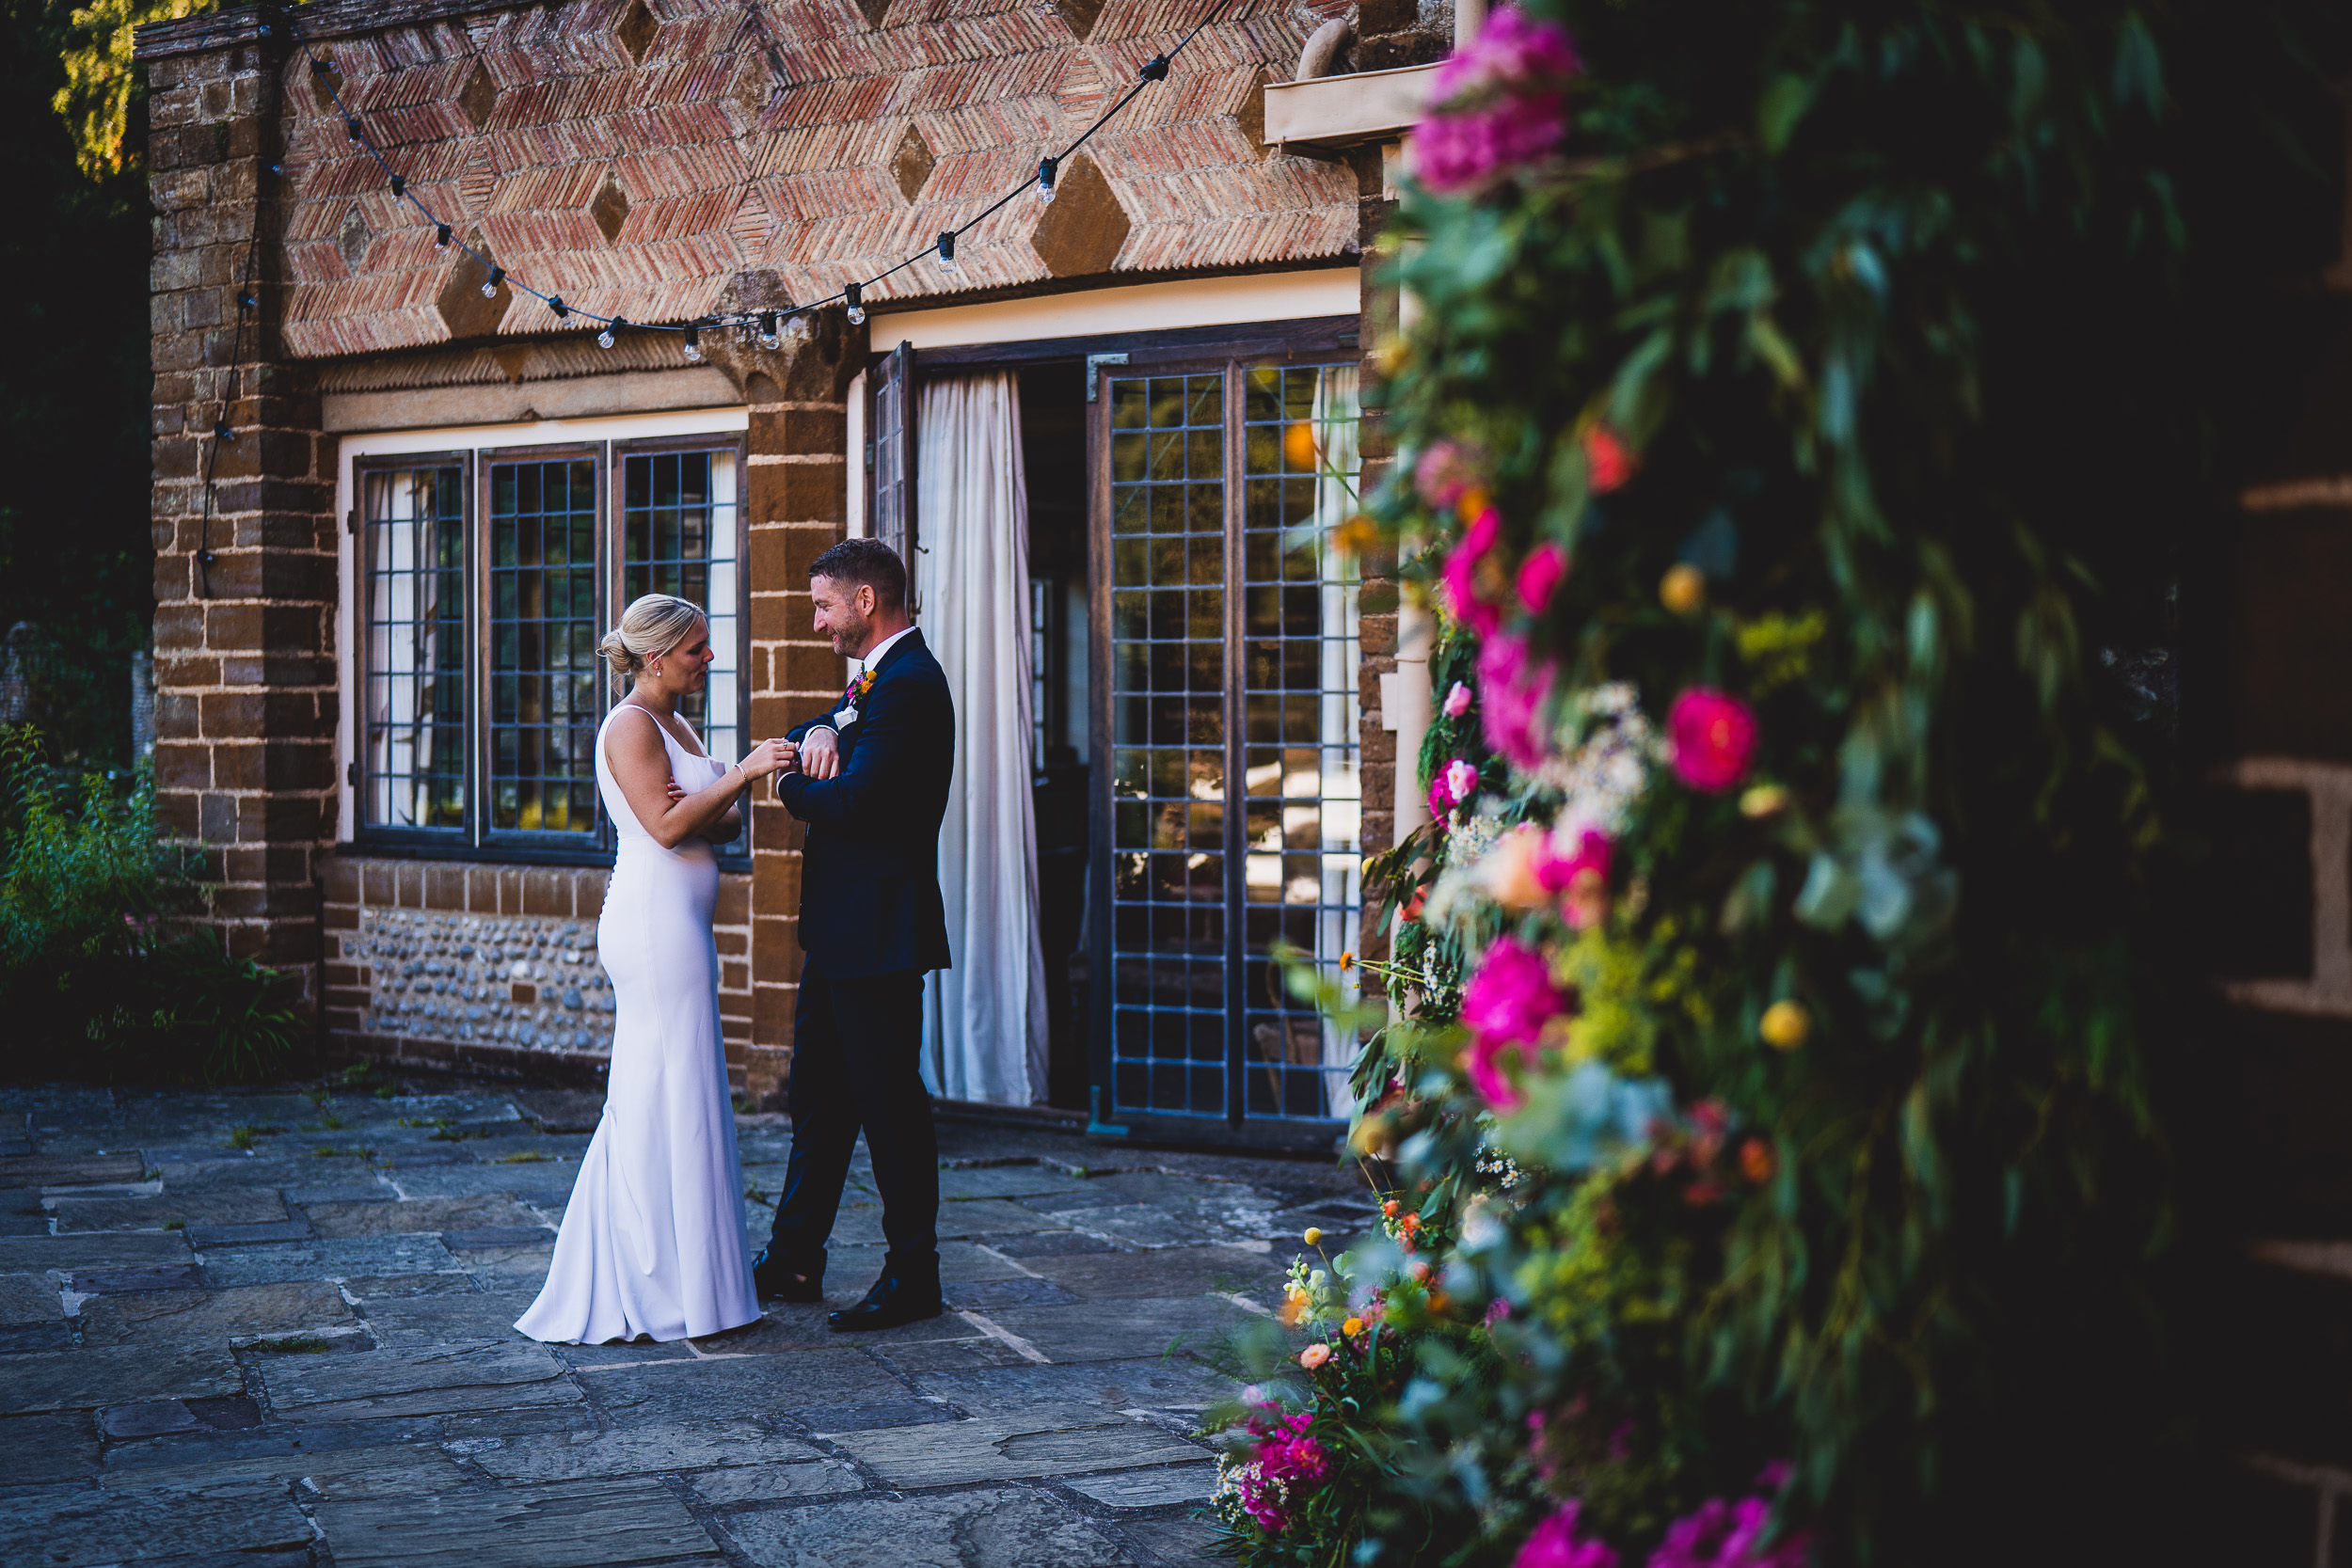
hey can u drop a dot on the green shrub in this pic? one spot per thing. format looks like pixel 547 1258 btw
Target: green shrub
pixel 101 975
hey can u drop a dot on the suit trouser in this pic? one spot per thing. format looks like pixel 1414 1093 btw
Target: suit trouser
pixel 857 1063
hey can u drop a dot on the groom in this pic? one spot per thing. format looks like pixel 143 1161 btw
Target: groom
pixel 871 783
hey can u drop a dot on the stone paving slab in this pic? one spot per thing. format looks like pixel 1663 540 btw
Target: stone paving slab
pixel 88 1377
pixel 165 1317
pixel 1044 1439
pixel 77 1528
pixel 114 1250
pixel 1156 1488
pixel 598 1523
pixel 69 1170
pixel 990 1527
pixel 192 1362
pixel 646 1450
pixel 236 1207
pixel 461 1376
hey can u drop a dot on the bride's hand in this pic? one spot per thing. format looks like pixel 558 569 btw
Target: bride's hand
pixel 769 756
pixel 675 792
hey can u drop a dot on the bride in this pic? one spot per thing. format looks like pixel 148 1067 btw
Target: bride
pixel 652 1242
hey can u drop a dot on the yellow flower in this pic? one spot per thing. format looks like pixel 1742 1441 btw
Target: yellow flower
pixel 1352 1327
pixel 1764 800
pixel 1784 1025
pixel 1683 589
pixel 1347 961
pixel 1313 1236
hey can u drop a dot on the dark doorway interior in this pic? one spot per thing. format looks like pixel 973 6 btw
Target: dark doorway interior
pixel 1052 449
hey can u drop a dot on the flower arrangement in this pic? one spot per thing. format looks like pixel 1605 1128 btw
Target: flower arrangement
pixel 1771 1168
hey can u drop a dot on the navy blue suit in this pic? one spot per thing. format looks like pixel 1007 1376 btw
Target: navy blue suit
pixel 871 924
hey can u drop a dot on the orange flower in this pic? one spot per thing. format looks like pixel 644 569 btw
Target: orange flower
pixel 1757 1162
pixel 1299 445
pixel 1391 1207
pixel 1351 1328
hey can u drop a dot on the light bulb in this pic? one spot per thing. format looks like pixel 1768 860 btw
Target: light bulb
pixel 604 339
pixel 555 303
pixel 947 252
pixel 1046 169
pixel 693 344
pixel 440 236
pixel 767 329
pixel 490 284
pixel 857 308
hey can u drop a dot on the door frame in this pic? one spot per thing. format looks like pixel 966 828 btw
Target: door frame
pixel 1232 351
pixel 1315 340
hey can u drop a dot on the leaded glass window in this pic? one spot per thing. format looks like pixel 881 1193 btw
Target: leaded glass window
pixel 413 701
pixel 544 705
pixel 679 536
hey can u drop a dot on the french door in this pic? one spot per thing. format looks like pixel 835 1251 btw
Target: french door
pixel 1227 802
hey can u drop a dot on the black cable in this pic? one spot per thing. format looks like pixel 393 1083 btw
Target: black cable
pixel 1153 69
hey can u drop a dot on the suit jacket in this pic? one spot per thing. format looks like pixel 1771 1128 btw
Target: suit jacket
pixel 869 872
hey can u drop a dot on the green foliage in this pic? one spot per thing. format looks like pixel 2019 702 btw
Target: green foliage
pixel 96 979
pixel 1906 315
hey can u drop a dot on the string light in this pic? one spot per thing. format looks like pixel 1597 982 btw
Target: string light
pixel 799 327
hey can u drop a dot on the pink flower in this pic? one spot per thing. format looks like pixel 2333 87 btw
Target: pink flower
pixel 1285 1463
pixel 1462 585
pixel 1458 701
pixel 1720 1534
pixel 1541 575
pixel 1556 1543
pixel 1581 874
pixel 1500 101
pixel 1440 799
pixel 1314 1356
pixel 1444 473
pixel 1505 1006
pixel 1712 735
pixel 1607 461
pixel 1461 779
pixel 1512 692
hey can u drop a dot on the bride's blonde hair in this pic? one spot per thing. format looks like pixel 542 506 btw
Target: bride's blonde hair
pixel 650 626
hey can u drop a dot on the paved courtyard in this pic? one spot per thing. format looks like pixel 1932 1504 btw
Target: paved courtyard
pixel 272 1328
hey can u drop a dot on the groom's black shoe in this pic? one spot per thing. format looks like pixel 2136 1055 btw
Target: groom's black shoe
pixel 894 1300
pixel 774 1282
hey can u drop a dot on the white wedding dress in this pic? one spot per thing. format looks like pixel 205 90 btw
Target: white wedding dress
pixel 652 1242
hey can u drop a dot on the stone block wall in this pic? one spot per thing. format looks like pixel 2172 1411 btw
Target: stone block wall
pixel 1378 602
pixel 244 585
pixel 421 955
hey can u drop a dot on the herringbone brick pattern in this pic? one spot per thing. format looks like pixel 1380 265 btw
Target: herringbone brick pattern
pixel 725 168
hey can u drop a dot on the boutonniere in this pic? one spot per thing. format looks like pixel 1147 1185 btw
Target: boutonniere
pixel 856 694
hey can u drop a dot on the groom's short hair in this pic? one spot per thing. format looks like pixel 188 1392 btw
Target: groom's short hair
pixel 869 561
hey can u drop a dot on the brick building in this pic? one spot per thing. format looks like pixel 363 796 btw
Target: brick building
pixel 381 578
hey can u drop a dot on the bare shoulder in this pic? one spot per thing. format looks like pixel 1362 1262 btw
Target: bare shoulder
pixel 638 738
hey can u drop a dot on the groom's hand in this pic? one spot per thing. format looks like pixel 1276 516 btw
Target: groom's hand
pixel 820 754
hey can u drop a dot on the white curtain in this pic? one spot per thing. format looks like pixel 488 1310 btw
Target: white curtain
pixel 1341 898
pixel 984 1027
